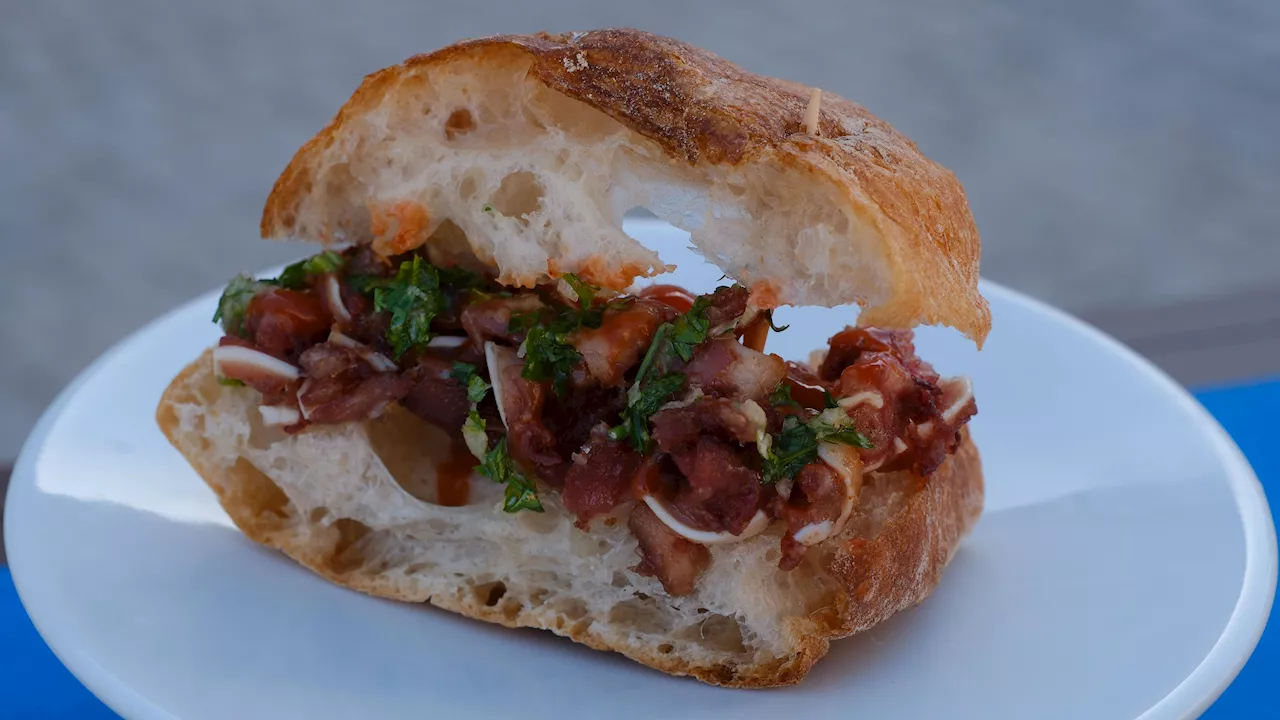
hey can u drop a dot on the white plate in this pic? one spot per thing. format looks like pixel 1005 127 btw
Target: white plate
pixel 1124 566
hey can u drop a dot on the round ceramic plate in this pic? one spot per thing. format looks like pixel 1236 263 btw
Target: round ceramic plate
pixel 1124 566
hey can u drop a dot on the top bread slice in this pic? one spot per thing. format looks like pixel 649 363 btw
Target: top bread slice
pixel 525 151
pixel 353 502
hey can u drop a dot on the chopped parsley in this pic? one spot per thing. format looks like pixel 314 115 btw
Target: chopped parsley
pixel 549 357
pixel 653 384
pixel 414 298
pixel 642 402
pixel 521 493
pixel 781 395
pixel 235 300
pixel 230 382
pixel 295 276
pixel 474 427
pixel 690 329
pixel 797 444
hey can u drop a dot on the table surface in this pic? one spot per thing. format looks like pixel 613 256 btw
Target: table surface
pixel 34 684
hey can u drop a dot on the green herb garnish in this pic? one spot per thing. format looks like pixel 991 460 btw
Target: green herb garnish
pixel 645 401
pixel 295 276
pixel 797 444
pixel 235 300
pixel 521 493
pixel 653 384
pixel 781 395
pixel 548 357
pixel 230 382
pixel 474 427
pixel 768 314
pixel 414 298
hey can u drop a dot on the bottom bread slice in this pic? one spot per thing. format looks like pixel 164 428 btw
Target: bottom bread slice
pixel 353 503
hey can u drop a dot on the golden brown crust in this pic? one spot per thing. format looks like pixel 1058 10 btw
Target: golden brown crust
pixel 704 110
pixel 892 571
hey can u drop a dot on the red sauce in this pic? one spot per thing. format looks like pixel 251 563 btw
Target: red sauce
pixel 671 295
pixel 806 388
pixel 453 477
pixel 283 321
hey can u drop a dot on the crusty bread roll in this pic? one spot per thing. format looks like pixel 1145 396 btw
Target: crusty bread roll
pixel 353 503
pixel 528 150
pixel 521 153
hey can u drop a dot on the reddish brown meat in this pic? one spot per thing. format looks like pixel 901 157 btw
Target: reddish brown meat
pixel 884 362
pixel 610 350
pixel 599 477
pixel 817 495
pixel 676 429
pixel 720 493
pixel 848 345
pixel 491 319
pixel 806 387
pixel 572 418
pixel 675 561
pixel 342 387
pixel 727 304
pixel 284 323
pixel 435 396
pixel 725 367
pixel 531 443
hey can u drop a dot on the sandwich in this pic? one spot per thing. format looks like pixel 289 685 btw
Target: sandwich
pixel 469 398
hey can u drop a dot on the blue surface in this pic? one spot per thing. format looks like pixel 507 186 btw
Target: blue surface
pixel 33 684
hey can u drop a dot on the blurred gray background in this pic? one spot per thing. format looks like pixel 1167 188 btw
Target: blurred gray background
pixel 1122 158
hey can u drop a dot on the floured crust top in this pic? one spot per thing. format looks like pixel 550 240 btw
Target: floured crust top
pixel 895 233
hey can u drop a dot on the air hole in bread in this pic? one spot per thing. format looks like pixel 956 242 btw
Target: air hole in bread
pixel 717 632
pixel 665 648
pixel 257 492
pixel 537 596
pixel 460 122
pixel 348 551
pixel 520 194
pixel 410 448
pixel 642 616
pixel 491 593
pixel 571 608
pixel 467 186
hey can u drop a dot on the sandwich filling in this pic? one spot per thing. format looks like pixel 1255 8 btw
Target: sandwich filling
pixel 662 405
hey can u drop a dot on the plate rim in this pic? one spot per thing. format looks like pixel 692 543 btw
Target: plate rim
pixel 1190 698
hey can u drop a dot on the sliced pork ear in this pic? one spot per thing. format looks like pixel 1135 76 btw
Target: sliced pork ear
pixel 237 359
pixel 342 386
pixel 675 561
pixel 725 367
pixel 520 404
